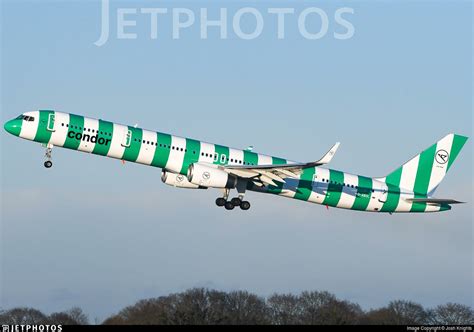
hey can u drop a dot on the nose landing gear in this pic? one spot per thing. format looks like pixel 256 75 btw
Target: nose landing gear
pixel 48 155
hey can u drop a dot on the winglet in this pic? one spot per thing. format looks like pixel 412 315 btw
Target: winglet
pixel 328 156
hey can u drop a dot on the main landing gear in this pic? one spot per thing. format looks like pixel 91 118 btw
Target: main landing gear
pixel 49 150
pixel 236 201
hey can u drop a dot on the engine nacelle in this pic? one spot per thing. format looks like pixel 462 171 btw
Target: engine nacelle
pixel 178 180
pixel 210 176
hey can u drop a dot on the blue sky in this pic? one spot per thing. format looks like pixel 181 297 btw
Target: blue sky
pixel 94 233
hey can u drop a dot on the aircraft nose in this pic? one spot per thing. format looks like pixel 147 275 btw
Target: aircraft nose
pixel 13 126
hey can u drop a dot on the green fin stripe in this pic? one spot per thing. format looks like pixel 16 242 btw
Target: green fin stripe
pixel 458 143
pixel 305 185
pixel 276 189
pixel 193 149
pixel 43 135
pixel 423 175
pixel 105 131
pixel 393 195
pixel 76 124
pixel 364 192
pixel 250 157
pixel 221 150
pixel 333 194
pixel 394 176
pixel 162 152
pixel 131 153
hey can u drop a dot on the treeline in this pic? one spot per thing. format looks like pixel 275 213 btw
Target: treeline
pixel 203 306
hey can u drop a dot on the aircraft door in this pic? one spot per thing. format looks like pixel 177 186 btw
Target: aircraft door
pixel 127 139
pixel 383 194
pixel 51 121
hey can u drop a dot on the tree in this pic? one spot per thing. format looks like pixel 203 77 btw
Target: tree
pixel 382 316
pixel 23 316
pixel 325 308
pixel 243 307
pixel 397 313
pixel 74 316
pixel 284 309
pixel 408 313
pixel 452 314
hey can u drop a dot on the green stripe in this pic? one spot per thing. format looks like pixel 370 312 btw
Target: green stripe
pixel 221 150
pixel 191 155
pixel 278 161
pixel 276 189
pixel 458 143
pixel 418 207
pixel 305 185
pixel 250 158
pixel 43 135
pixel 423 175
pixel 162 152
pixel 105 131
pixel 393 195
pixel 333 194
pixel 131 153
pixel 445 207
pixel 364 193
pixel 76 124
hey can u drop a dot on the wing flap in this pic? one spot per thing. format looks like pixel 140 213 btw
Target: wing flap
pixel 272 174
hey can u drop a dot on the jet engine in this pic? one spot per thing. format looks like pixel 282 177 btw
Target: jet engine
pixel 210 176
pixel 178 180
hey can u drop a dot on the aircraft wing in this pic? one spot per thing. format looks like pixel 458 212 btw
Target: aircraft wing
pixel 433 200
pixel 271 174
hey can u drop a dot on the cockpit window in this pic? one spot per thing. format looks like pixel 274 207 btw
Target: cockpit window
pixel 26 118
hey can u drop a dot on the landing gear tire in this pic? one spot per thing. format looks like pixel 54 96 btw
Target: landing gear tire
pixel 220 201
pixel 229 206
pixel 48 164
pixel 236 201
pixel 245 205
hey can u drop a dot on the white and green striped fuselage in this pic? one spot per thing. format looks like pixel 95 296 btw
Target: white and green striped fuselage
pixel 175 154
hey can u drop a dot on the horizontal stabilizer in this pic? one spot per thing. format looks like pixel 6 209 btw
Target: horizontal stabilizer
pixel 434 200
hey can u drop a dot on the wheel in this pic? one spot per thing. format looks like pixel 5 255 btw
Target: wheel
pixel 229 206
pixel 236 201
pixel 48 164
pixel 245 205
pixel 220 201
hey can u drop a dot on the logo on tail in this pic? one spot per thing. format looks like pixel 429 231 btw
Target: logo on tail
pixel 442 156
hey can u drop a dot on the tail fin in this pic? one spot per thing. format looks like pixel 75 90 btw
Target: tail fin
pixel 424 172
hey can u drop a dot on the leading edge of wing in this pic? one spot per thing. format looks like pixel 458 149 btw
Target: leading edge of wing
pixel 324 160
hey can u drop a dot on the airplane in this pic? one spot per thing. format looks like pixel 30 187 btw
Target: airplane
pixel 192 164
